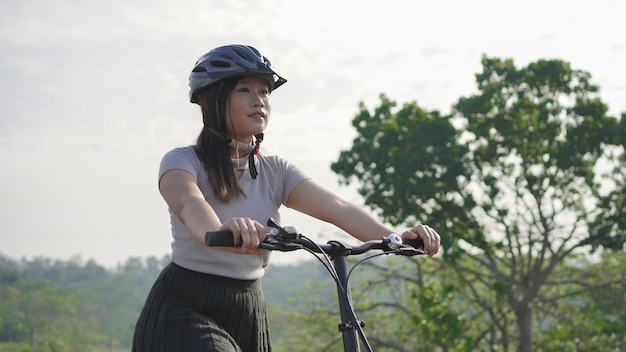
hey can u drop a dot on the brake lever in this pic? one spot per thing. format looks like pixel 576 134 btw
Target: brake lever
pixel 408 251
pixel 405 247
pixel 274 243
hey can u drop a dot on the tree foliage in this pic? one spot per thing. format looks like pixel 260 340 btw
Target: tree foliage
pixel 402 168
pixel 422 307
pixel 520 177
pixel 58 305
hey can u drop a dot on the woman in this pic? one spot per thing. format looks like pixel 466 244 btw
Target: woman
pixel 207 298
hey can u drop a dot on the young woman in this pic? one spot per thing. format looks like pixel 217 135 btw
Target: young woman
pixel 207 298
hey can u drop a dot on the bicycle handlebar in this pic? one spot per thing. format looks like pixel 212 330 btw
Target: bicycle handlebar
pixel 288 238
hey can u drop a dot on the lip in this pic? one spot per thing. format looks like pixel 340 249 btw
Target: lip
pixel 258 115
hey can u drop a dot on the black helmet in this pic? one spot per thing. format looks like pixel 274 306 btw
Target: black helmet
pixel 230 61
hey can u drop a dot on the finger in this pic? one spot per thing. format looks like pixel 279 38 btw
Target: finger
pixel 254 233
pixel 257 235
pixel 434 240
pixel 261 231
pixel 430 238
pixel 410 235
pixel 233 226
pixel 245 234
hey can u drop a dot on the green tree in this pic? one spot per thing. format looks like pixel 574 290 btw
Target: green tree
pixel 520 177
pixel 407 163
pixel 593 319
pixel 401 297
pixel 302 307
pixel 36 311
pixel 51 305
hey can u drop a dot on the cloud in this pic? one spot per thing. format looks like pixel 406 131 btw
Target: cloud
pixel 93 93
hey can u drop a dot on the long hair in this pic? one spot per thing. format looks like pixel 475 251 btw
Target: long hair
pixel 210 149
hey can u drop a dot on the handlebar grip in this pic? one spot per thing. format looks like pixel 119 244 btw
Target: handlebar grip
pixel 417 243
pixel 219 239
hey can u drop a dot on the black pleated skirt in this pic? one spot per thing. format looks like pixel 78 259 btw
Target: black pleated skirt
pixel 188 311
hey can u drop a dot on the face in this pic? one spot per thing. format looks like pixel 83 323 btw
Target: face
pixel 248 109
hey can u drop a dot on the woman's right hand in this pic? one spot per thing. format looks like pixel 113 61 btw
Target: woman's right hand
pixel 248 232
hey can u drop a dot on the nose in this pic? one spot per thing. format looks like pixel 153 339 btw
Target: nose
pixel 259 100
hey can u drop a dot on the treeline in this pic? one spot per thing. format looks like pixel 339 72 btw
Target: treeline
pixel 407 305
pixel 424 304
pixel 56 305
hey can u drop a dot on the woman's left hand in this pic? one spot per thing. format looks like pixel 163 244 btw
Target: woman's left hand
pixel 430 237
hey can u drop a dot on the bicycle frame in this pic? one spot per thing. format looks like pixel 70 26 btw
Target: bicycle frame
pixel 347 328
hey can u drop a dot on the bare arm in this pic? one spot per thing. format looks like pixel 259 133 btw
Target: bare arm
pixel 184 198
pixel 312 199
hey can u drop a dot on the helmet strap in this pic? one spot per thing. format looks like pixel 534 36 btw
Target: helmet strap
pixel 232 142
pixel 218 116
pixel 251 164
pixel 235 144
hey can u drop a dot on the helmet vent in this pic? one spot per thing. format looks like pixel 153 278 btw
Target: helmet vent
pixel 220 63
pixel 230 61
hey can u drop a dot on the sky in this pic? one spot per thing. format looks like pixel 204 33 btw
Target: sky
pixel 93 93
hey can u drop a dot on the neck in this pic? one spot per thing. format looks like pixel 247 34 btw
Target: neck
pixel 245 147
pixel 239 149
pixel 242 149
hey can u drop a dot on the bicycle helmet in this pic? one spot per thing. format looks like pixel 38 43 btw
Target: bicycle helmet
pixel 230 61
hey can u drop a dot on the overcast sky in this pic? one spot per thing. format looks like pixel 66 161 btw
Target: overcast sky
pixel 93 93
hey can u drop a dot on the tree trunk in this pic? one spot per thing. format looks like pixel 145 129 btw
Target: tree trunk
pixel 525 322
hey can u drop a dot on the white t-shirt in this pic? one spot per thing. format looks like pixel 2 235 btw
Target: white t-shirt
pixel 264 196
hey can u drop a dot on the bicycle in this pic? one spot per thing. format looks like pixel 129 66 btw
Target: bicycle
pixel 333 257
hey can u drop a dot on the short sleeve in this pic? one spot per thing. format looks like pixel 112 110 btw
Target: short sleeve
pixel 184 158
pixel 293 177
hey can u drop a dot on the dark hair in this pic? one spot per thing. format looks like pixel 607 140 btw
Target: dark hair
pixel 210 149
